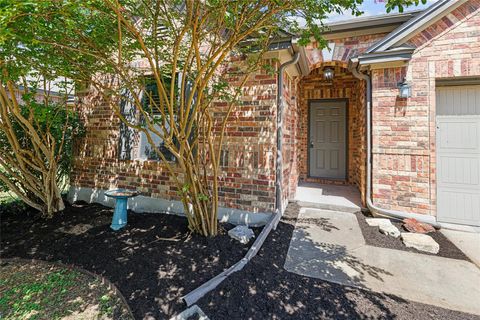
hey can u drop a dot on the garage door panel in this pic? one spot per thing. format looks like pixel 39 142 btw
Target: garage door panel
pixel 458 100
pixel 458 155
pixel 455 133
pixel 461 207
pixel 460 171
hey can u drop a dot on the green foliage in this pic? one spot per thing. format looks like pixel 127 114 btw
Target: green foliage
pixel 203 197
pixel 54 29
pixel 402 4
pixel 113 44
pixel 38 24
pixel 57 121
pixel 106 307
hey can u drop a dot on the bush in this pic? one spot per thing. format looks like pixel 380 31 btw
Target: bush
pixel 40 156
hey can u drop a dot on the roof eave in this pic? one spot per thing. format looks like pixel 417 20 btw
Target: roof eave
pixel 370 22
pixel 397 55
pixel 436 10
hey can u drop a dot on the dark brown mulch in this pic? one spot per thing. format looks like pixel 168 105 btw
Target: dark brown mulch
pixel 265 290
pixel 374 237
pixel 153 261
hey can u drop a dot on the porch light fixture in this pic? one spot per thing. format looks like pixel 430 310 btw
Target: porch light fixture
pixel 328 73
pixel 404 89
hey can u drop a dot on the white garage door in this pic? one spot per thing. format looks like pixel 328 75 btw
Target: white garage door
pixel 458 154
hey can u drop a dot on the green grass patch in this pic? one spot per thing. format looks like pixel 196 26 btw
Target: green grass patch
pixel 41 291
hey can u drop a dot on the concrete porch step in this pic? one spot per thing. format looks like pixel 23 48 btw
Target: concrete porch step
pixel 328 197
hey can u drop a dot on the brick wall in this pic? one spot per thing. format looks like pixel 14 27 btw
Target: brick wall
pixel 290 137
pixel 343 86
pixel 343 50
pixel 404 129
pixel 248 173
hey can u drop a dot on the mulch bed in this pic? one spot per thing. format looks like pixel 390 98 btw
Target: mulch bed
pixel 265 290
pixel 153 261
pixel 374 237
pixel 42 290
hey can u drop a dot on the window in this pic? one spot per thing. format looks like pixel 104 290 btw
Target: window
pixel 151 101
pixel 135 145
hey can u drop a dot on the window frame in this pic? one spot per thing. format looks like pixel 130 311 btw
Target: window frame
pixel 142 151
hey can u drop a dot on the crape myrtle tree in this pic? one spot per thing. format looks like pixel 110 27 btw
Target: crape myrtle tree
pixel 36 132
pixel 160 65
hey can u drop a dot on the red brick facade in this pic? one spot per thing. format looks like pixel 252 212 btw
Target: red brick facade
pixel 404 130
pixel 344 86
pixel 248 177
pixel 343 50
pixel 291 137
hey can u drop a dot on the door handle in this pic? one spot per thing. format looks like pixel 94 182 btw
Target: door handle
pixel 311 144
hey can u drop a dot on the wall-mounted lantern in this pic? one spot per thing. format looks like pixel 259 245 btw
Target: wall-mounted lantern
pixel 328 73
pixel 404 89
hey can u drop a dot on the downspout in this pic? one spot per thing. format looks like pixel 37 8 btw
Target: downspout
pixel 280 108
pixel 193 296
pixel 370 205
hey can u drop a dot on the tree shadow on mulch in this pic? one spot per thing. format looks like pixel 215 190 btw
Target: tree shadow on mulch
pixel 265 290
pixel 153 261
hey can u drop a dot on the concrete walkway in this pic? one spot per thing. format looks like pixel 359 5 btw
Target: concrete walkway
pixel 329 245
pixel 468 242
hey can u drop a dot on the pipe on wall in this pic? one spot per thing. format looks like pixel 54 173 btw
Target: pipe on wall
pixel 376 210
pixel 279 161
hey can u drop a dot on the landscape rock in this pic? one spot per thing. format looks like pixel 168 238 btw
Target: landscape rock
pixel 413 225
pixel 385 226
pixel 375 222
pixel 241 233
pixel 420 242
pixel 389 229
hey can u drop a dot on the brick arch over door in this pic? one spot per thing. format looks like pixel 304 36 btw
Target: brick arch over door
pixel 343 86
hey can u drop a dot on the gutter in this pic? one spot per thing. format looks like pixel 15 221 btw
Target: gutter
pixel 193 296
pixel 280 108
pixel 376 210
pixel 393 55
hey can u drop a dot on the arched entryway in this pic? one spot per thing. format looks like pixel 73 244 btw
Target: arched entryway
pixel 332 150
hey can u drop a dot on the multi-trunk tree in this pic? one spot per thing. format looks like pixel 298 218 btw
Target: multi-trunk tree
pixel 164 62
pixel 36 131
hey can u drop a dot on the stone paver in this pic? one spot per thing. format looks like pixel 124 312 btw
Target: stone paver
pixel 329 245
pixel 375 222
pixel 384 225
pixel 420 242
pixel 389 230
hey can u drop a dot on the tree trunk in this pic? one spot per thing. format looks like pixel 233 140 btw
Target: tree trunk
pixel 200 201
pixel 55 202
